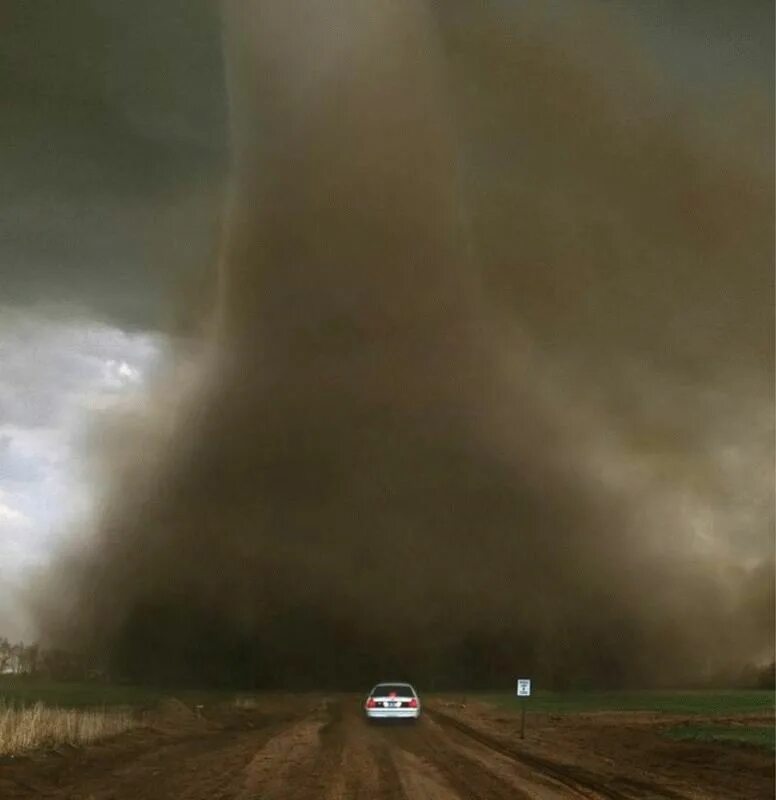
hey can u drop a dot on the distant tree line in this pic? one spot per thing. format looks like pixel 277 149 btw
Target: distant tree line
pixel 18 658
pixel 215 662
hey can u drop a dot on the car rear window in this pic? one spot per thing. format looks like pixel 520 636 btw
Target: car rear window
pixel 400 689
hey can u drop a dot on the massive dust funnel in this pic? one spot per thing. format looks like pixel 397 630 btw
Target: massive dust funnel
pixel 381 470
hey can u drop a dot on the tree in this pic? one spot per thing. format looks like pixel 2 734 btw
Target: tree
pixel 6 654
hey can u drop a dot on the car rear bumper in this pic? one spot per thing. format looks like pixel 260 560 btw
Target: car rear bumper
pixel 393 713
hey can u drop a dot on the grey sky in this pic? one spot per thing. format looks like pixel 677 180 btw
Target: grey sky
pixel 57 376
pixel 113 122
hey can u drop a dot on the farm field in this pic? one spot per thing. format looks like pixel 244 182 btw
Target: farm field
pixel 465 746
pixel 708 702
pixel 65 694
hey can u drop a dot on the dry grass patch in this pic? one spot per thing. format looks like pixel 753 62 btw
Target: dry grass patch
pixel 41 726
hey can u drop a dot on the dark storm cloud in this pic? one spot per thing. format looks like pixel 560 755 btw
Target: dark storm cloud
pixel 492 305
pixel 113 137
pixel 111 152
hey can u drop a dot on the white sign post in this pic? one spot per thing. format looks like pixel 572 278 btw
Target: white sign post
pixel 523 691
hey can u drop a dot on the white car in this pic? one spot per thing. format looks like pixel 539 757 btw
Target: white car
pixel 393 700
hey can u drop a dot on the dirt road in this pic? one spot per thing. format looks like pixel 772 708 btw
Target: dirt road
pixel 322 750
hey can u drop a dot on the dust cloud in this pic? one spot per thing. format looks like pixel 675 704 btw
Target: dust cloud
pixel 487 386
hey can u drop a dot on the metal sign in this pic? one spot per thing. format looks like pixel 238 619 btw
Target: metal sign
pixel 523 687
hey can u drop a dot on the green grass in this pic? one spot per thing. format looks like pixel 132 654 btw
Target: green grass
pixel 758 736
pixel 18 691
pixel 708 703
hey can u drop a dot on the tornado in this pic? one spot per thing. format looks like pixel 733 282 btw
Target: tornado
pixel 385 463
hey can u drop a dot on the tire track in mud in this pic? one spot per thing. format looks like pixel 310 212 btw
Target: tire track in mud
pixel 419 779
pixel 376 774
pixel 218 773
pixel 212 775
pixel 465 776
pixel 525 782
pixel 348 759
pixel 301 762
pixel 331 757
pixel 209 771
pixel 370 767
pixel 584 783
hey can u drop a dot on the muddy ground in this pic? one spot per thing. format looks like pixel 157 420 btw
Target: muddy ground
pixel 295 747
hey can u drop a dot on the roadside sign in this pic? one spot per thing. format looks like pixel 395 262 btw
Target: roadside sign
pixel 523 690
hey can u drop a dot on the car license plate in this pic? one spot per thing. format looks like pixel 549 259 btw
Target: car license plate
pixel 394 704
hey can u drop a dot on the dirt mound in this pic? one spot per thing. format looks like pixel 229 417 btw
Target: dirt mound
pixel 172 715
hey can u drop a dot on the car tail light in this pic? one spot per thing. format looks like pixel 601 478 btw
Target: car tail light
pixel 414 702
pixel 370 703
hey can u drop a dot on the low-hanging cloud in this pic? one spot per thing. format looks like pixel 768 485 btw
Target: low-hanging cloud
pixel 489 358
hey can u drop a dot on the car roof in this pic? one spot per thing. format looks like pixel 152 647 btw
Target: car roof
pixel 393 683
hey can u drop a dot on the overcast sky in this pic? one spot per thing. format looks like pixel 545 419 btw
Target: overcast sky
pixel 113 156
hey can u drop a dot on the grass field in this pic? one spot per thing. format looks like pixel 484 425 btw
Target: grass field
pixel 759 736
pixel 24 692
pixel 706 703
pixel 15 691
pixel 723 704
